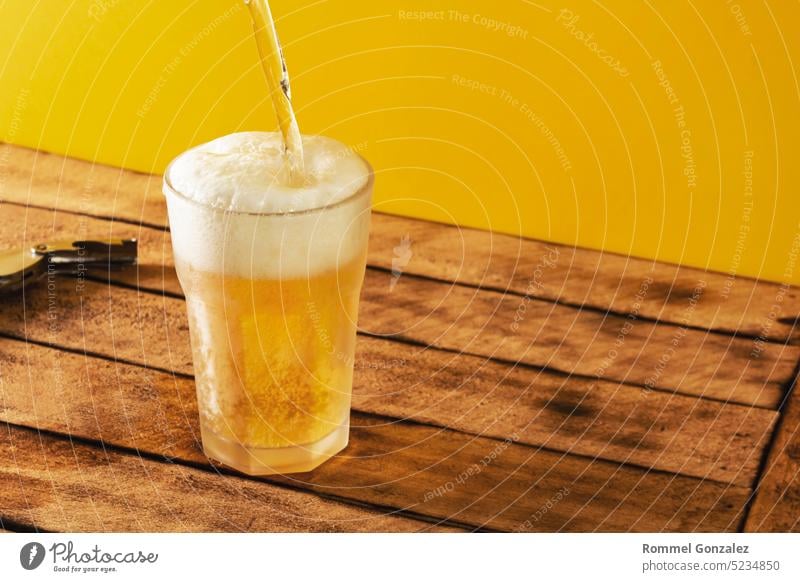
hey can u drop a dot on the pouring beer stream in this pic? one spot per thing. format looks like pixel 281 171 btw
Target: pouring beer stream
pixel 274 66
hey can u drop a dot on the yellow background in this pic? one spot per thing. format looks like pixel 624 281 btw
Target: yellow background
pixel 502 115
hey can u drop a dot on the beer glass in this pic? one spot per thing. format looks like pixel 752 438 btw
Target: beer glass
pixel 272 301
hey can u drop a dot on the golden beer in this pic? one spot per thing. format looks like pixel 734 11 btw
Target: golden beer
pixel 273 357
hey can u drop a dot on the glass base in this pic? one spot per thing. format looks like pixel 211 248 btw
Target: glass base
pixel 255 461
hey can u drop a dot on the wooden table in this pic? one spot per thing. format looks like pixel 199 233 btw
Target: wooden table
pixel 501 384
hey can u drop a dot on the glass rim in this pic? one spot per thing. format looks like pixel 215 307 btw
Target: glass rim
pixel 363 191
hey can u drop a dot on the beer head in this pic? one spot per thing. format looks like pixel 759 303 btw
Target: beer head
pixel 233 209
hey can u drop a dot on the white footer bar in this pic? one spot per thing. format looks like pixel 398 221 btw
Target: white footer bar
pixel 402 557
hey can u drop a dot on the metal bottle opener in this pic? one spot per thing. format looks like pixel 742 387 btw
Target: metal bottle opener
pixel 23 266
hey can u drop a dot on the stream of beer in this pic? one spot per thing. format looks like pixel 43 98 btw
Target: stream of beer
pixel 274 66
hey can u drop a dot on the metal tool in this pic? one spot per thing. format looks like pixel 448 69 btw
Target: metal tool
pixel 23 266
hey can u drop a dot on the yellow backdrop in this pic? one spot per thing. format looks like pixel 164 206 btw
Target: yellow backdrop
pixel 665 129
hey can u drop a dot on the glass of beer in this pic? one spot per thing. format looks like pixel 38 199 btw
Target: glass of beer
pixel 271 267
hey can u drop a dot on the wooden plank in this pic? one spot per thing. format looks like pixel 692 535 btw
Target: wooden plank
pixel 60 485
pixel 776 504
pixel 459 318
pixel 579 277
pixel 516 487
pixel 577 341
pixel 441 473
pixel 599 419
pixel 683 435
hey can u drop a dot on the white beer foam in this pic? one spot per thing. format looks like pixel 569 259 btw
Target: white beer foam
pixel 284 235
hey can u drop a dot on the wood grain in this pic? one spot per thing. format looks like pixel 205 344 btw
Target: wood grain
pixel 584 277
pixel 440 473
pixel 579 277
pixel 577 341
pixel 599 419
pixel 487 323
pixel 46 180
pixel 619 423
pixel 60 485
pixel 776 504
pixel 27 226
pixel 512 492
